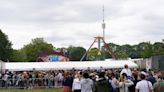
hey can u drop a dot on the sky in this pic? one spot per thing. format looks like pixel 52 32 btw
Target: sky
pixel 76 22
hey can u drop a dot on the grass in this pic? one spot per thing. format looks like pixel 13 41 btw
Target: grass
pixel 30 90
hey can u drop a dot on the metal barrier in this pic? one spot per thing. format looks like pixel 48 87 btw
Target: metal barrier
pixel 30 83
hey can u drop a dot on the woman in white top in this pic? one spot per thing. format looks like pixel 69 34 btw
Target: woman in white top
pixel 76 86
pixel 124 83
pixel 127 71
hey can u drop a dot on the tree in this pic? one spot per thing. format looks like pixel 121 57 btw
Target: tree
pixel 5 47
pixel 134 53
pixel 76 53
pixel 121 55
pixel 113 47
pixel 158 48
pixel 92 54
pixel 18 55
pixel 37 46
pixel 147 50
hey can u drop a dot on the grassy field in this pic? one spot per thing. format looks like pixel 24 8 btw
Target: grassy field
pixel 29 90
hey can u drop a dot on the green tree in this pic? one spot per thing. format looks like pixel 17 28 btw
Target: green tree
pixel 92 54
pixel 5 47
pixel 158 48
pixel 121 55
pixel 37 46
pixel 114 47
pixel 76 53
pixel 18 55
pixel 134 53
pixel 147 50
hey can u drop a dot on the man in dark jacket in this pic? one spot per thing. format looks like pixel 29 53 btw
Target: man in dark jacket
pixel 151 78
pixel 102 85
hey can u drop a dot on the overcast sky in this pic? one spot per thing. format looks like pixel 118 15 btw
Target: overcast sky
pixel 76 22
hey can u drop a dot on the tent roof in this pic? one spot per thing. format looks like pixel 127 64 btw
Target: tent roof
pixel 28 66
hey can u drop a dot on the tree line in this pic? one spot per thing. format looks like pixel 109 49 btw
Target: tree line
pixel 31 51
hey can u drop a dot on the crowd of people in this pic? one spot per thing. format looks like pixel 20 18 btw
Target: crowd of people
pixel 100 80
pixel 31 79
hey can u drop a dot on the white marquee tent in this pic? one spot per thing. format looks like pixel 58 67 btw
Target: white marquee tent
pixel 27 66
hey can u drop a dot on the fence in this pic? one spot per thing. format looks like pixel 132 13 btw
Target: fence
pixel 30 83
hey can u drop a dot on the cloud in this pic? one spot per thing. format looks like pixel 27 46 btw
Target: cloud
pixel 75 22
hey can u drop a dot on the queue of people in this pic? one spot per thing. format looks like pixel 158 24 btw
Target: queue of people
pixel 31 80
pixel 101 80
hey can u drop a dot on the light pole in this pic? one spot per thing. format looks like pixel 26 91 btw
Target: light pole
pixel 103 24
pixel 103 27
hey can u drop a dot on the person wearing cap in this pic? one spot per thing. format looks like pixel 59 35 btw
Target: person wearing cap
pixel 127 71
pixel 144 85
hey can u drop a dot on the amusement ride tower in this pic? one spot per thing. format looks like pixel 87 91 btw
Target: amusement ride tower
pixel 100 40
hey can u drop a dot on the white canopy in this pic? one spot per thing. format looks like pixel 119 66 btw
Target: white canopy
pixel 27 66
